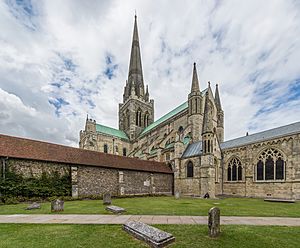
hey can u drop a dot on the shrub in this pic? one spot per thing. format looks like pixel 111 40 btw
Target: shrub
pixel 17 187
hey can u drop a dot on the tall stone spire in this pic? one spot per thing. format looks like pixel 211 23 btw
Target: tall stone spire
pixel 135 66
pixel 208 118
pixel 195 82
pixel 217 99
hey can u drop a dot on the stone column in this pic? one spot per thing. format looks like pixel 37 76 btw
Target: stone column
pixel 121 183
pixel 74 178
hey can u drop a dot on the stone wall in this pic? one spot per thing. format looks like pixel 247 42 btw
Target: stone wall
pixel 289 187
pixel 32 168
pixel 95 180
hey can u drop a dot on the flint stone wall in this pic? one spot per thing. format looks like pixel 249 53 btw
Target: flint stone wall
pixel 92 180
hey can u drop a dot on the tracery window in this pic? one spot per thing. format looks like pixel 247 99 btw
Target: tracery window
pixel 270 165
pixel 190 169
pixel 234 170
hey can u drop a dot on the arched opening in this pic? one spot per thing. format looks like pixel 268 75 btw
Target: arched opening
pixel 105 148
pixel 190 169
pixel 124 152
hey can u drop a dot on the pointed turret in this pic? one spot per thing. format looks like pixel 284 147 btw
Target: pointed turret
pixel 135 66
pixel 195 82
pixel 217 99
pixel 220 116
pixel 147 94
pixel 208 118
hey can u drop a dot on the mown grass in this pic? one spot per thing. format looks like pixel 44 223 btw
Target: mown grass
pixel 170 206
pixel 65 235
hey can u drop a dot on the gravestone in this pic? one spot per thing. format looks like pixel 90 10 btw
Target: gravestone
pixel 115 209
pixel 57 206
pixel 151 235
pixel 214 222
pixel 107 199
pixel 34 205
pixel 177 195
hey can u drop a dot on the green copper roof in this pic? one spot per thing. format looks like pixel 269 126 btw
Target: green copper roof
pixel 111 131
pixel 167 116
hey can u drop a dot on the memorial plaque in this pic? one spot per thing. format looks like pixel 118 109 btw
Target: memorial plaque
pixel 151 235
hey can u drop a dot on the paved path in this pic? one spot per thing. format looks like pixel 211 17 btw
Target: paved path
pixel 149 219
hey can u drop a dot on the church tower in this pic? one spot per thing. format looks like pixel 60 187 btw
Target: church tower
pixel 220 116
pixel 137 111
pixel 195 107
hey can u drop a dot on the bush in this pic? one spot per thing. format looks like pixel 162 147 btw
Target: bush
pixel 16 187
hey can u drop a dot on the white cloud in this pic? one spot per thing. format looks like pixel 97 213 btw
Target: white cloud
pixel 56 51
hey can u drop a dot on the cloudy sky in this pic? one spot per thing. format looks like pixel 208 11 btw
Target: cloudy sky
pixel 60 60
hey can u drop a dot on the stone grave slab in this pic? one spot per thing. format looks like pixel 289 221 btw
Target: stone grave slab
pixel 279 200
pixel 177 195
pixel 115 209
pixel 107 199
pixel 57 206
pixel 151 235
pixel 34 205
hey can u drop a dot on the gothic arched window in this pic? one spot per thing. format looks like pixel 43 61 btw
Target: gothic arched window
pixel 190 169
pixel 124 152
pixel 105 148
pixel 234 170
pixel 270 165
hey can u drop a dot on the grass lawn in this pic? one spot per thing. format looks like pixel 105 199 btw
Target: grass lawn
pixel 170 206
pixel 54 235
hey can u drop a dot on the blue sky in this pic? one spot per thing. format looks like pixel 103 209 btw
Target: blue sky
pixel 60 60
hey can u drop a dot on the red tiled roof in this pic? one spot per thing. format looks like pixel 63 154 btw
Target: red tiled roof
pixel 15 147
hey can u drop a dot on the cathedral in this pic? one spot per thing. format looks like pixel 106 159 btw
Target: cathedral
pixel 190 140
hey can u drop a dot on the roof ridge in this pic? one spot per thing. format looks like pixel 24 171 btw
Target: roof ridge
pixel 260 132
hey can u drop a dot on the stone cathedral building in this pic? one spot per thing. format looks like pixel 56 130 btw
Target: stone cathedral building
pixel 190 139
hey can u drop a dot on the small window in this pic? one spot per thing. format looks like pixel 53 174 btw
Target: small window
pixel 124 152
pixel 105 148
pixel 180 129
pixel 190 169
